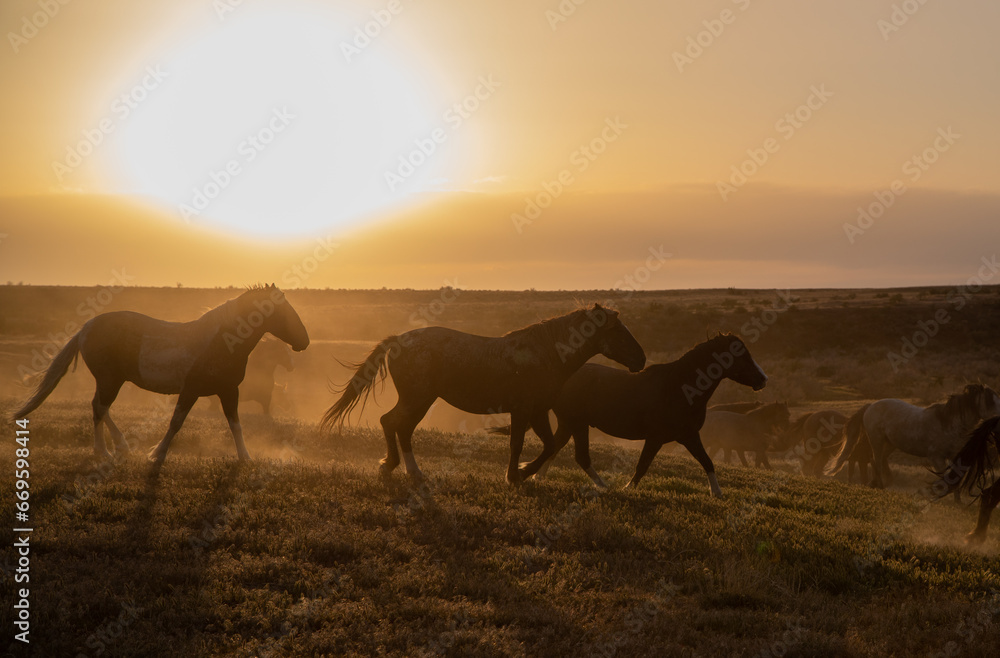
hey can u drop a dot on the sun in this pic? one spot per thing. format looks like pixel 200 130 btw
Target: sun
pixel 262 125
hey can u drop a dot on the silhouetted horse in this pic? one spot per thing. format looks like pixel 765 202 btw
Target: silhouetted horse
pixel 663 403
pixel 207 356
pixel 519 373
pixel 974 469
pixel 258 385
pixel 936 432
pixel 754 431
pixel 816 437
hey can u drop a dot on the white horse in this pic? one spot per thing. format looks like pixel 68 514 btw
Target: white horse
pixel 936 433
pixel 207 356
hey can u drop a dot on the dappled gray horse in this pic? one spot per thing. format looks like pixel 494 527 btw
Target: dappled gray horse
pixel 936 432
pixel 519 373
pixel 207 356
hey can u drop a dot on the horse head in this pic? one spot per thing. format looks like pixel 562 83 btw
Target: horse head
pixel 731 353
pixel 280 319
pixel 614 340
pixel 986 399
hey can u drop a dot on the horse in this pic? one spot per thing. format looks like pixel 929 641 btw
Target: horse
pixel 518 373
pixel 815 437
pixel 936 432
pixel 754 430
pixel 737 407
pixel 662 403
pixel 974 468
pixel 207 356
pixel 258 385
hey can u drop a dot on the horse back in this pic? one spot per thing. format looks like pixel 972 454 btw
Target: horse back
pixel 478 374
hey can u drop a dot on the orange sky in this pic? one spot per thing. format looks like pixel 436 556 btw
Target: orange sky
pixel 248 130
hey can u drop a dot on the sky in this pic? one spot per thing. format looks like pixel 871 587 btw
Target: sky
pixel 514 144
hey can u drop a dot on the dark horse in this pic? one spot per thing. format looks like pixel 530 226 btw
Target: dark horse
pixel 737 433
pixel 207 356
pixel 258 385
pixel 665 402
pixel 974 468
pixel 519 373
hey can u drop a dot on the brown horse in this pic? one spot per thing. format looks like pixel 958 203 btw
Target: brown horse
pixel 207 356
pixel 665 402
pixel 815 438
pixel 974 469
pixel 519 373
pixel 737 433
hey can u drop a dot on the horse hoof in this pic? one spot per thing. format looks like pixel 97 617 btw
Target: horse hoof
pixel 514 479
pixel 974 539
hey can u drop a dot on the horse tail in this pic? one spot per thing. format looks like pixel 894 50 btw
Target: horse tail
pixel 851 434
pixel 59 366
pixel 374 368
pixel 969 470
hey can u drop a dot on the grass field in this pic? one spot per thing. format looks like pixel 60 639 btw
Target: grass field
pixel 305 551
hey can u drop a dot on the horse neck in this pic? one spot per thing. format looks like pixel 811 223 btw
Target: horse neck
pixel 694 366
pixel 572 349
pixel 239 334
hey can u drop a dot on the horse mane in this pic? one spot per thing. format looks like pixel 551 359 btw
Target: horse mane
pixel 228 311
pixel 700 347
pixel 960 405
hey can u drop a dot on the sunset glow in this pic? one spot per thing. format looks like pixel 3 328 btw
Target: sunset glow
pixel 489 135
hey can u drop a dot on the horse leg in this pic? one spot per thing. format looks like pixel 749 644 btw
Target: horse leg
pixel 518 426
pixel 540 423
pixel 391 460
pixel 581 445
pixel 121 445
pixel 230 400
pixel 104 395
pixel 988 500
pixel 743 458
pixel 697 450
pixel 409 420
pixel 184 403
pixel 649 450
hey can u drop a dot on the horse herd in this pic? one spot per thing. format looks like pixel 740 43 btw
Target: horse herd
pixel 527 373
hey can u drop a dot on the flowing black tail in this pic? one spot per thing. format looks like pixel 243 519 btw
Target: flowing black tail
pixel 57 369
pixel 372 369
pixel 852 434
pixel 970 471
